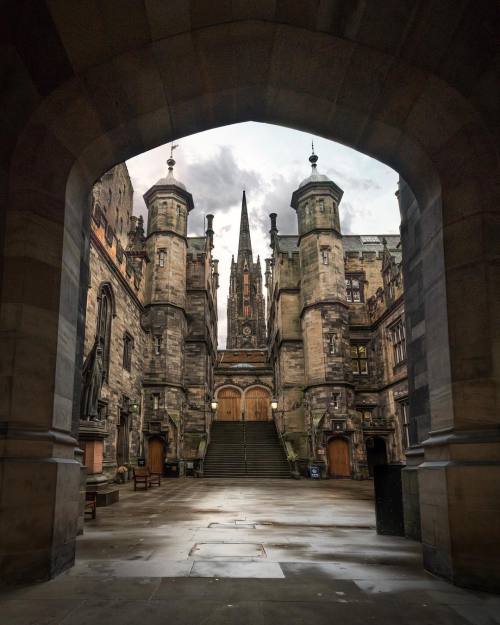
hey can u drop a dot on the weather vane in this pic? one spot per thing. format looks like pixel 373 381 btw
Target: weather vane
pixel 172 148
pixel 312 145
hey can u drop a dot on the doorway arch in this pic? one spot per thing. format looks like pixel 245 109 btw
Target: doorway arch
pixel 339 457
pixel 344 77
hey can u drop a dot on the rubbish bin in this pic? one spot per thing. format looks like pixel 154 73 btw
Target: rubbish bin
pixel 389 499
pixel 314 472
pixel 172 468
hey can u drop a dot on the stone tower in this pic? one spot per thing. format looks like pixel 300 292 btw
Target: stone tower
pixel 246 324
pixel 168 203
pixel 324 310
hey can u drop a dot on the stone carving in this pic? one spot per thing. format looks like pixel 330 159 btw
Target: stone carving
pixel 93 376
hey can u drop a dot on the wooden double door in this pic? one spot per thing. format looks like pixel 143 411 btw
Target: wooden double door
pixel 156 455
pixel 339 462
pixel 254 405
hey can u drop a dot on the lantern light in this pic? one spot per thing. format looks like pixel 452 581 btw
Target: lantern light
pixel 274 403
pixel 214 404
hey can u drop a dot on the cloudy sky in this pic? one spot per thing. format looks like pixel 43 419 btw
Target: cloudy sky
pixel 268 162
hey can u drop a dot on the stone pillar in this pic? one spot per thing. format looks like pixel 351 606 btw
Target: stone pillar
pixel 39 476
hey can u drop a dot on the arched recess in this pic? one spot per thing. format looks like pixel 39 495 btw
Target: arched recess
pixel 228 404
pixel 415 97
pixel 257 404
pixel 339 457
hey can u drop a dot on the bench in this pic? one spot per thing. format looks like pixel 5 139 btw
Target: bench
pixel 144 477
pixel 91 504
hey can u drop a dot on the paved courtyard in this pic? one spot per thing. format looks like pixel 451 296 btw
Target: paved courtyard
pixel 242 551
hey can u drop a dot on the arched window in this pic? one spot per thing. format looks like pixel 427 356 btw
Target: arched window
pixel 104 318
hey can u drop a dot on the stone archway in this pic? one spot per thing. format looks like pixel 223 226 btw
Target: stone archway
pixel 412 89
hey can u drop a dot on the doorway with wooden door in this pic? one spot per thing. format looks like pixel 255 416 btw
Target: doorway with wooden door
pixel 339 463
pixel 156 455
pixel 229 404
pixel 257 404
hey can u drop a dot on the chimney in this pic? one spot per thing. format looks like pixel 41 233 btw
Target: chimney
pixel 274 229
pixel 210 232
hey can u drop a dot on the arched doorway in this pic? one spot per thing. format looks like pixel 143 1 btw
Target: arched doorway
pixel 156 455
pixel 339 463
pixel 376 452
pixel 229 404
pixel 257 404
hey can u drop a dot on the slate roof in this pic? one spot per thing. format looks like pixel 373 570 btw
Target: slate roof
pixel 352 243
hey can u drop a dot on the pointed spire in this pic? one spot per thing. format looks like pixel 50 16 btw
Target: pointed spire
pixel 245 243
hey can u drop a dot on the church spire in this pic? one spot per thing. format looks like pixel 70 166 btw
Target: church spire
pixel 245 243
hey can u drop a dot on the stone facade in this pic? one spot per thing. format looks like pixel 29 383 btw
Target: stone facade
pixel 337 342
pixel 152 309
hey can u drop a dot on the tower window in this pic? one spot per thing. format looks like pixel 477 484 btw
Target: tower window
pixel 161 258
pixel 321 206
pixel 156 401
pixel 178 210
pixel 128 346
pixel 325 257
pixel 353 289
pixel 332 344
pixel 157 345
pixel 335 401
pixel 359 359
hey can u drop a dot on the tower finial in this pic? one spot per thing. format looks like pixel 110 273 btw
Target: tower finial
pixel 170 161
pixel 313 159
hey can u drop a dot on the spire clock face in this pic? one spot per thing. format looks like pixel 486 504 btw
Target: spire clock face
pixel 247 330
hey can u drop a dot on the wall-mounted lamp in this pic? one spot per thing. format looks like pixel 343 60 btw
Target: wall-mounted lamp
pixel 214 404
pixel 274 403
pixel 133 407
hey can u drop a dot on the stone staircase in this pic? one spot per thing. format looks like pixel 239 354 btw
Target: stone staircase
pixel 245 449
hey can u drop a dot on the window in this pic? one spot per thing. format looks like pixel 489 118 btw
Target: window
pixel 335 401
pixel 359 359
pixel 398 342
pixel 321 206
pixel 157 340
pixel 246 287
pixel 128 346
pixel 332 344
pixel 161 258
pixel 121 225
pixel 324 257
pixel 156 401
pixel 404 409
pixel 104 316
pixel 178 210
pixel 353 289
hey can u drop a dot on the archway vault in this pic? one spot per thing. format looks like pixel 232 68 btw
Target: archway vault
pixel 412 87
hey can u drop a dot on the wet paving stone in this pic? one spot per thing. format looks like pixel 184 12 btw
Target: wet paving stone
pixel 267 552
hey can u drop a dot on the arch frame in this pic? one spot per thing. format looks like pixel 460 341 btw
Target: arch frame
pixel 438 131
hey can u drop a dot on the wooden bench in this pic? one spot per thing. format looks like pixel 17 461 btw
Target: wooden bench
pixel 144 477
pixel 91 504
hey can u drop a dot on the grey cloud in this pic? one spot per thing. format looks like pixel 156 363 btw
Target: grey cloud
pixel 217 184
pixel 353 182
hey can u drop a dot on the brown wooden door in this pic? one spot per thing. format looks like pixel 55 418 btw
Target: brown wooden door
pixel 229 405
pixel 257 404
pixel 339 464
pixel 156 455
